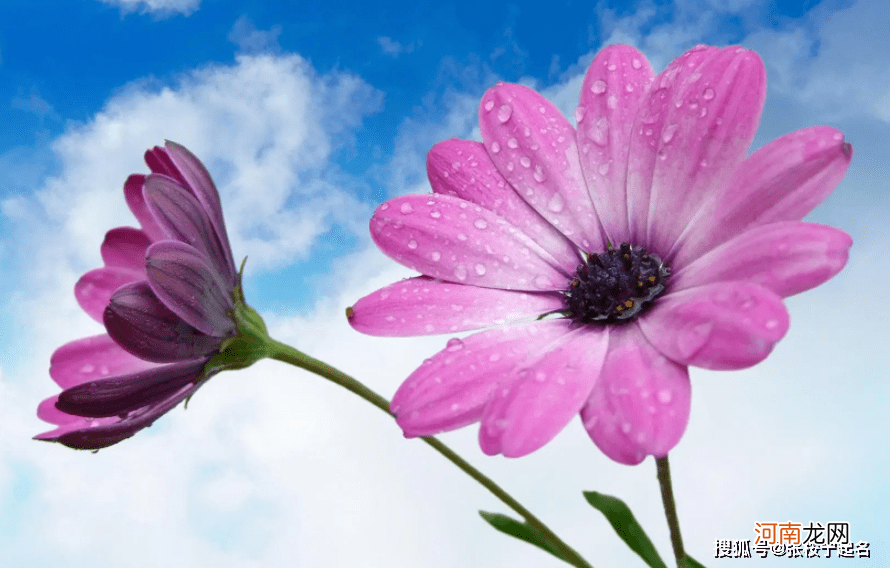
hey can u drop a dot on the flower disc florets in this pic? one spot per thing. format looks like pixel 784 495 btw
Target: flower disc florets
pixel 615 286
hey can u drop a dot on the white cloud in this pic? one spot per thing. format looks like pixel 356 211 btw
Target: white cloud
pixel 157 7
pixel 34 104
pixel 395 48
pixel 249 39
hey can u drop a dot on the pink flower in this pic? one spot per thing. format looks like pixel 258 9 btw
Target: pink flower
pixel 166 296
pixel 647 229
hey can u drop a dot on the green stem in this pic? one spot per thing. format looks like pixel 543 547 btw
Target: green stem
pixel 670 508
pixel 288 354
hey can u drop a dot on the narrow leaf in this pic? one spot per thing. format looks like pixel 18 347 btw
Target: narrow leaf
pixel 627 527
pixel 522 531
pixel 690 562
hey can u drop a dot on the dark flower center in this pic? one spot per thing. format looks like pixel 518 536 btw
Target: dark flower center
pixel 616 285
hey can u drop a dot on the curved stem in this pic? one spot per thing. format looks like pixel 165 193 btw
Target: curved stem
pixel 288 354
pixel 670 508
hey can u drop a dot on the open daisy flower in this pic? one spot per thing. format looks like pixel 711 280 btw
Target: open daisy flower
pixel 645 236
pixel 170 299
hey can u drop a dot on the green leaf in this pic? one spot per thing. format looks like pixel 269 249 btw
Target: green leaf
pixel 627 527
pixel 690 562
pixel 522 531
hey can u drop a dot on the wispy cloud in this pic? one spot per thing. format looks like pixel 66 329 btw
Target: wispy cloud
pixel 160 8
pixel 249 39
pixel 35 104
pixel 394 48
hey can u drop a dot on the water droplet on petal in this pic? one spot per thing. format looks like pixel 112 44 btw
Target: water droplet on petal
pixel 460 271
pixel 513 143
pixel 626 427
pixel 540 376
pixel 454 344
pixel 480 269
pixel 461 237
pixel 556 203
pixel 435 214
pixel 406 208
pixel 542 282
pixel 598 87
pixel 603 168
pixel 708 94
pixel 579 113
pixel 771 324
pixel 384 207
pixel 669 132
pixel 489 104
pixel 525 161
pixel 636 63
pixel 86 369
pixel 495 147
pixel 539 174
pixel 504 113
pixel 664 396
pixel 480 224
pixel 412 244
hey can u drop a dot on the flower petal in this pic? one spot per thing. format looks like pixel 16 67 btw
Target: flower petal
pixel 550 388
pixel 613 92
pixel 534 147
pixel 783 181
pixel 119 395
pixel 695 128
pixel 136 202
pixel 198 179
pixel 183 219
pixel 424 306
pixel 640 404
pixel 787 258
pixel 184 281
pixel 94 289
pixel 451 388
pixel 91 358
pixel 125 247
pixel 140 323
pixel 462 168
pixel 730 325
pixel 454 240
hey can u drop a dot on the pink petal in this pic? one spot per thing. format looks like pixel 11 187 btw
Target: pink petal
pixel 462 168
pixel 183 219
pixel 783 181
pixel 125 247
pixel 614 89
pixel 640 404
pixel 534 147
pixel 136 201
pixel 451 388
pixel 94 289
pixel 48 412
pixel 550 388
pixel 90 358
pixel 200 182
pixel 159 162
pixel 423 306
pixel 182 278
pixel 787 258
pixel 730 325
pixel 454 240
pixel 701 142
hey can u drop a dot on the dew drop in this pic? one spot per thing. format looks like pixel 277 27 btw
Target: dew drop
pixel 708 94
pixel 504 113
pixel 480 269
pixel 525 161
pixel 494 357
pixel 629 88
pixel 480 224
pixel 771 324
pixel 384 207
pixel 603 168
pixel 626 427
pixel 435 214
pixel 598 87
pixel 86 369
pixel 406 208
pixel 579 113
pixel 664 396
pixel 542 282
pixel 495 147
pixel 412 244
pixel 669 132
pixel 539 174
pixel 540 376
pixel 612 102
pixel 599 132
pixel 636 63
pixel 513 143
pixel 461 237
pixel 489 104
pixel 556 203
pixel 454 344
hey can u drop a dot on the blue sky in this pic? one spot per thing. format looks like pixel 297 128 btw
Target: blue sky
pixel 309 115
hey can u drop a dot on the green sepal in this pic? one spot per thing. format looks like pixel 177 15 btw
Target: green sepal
pixel 690 562
pixel 625 524
pixel 522 531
